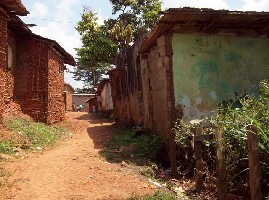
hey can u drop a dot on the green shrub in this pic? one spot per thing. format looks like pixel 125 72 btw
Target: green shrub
pixel 233 120
pixel 254 110
pixel 124 144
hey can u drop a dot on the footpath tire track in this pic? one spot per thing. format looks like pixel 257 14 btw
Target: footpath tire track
pixel 73 169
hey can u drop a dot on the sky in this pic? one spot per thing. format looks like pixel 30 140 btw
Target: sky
pixel 57 19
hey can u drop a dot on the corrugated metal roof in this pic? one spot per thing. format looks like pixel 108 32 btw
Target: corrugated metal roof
pixel 14 6
pixel 205 19
pixel 83 94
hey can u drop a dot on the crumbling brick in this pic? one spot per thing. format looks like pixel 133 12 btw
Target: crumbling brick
pixel 3 54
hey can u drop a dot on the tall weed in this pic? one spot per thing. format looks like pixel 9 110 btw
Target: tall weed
pixel 31 134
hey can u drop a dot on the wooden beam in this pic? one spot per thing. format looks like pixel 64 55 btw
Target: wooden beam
pixel 4 12
pixel 210 23
pixel 264 30
pixel 199 167
pixel 254 163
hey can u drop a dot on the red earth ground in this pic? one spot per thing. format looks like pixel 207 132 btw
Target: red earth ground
pixel 73 169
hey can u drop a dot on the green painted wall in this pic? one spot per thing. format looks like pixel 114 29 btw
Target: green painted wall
pixel 210 69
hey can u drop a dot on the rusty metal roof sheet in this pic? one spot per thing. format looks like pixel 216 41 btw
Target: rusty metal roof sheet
pixel 205 19
pixel 14 6
pixel 20 28
pixel 68 59
pixel 67 85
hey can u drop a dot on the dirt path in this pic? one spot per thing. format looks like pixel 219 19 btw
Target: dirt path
pixel 74 169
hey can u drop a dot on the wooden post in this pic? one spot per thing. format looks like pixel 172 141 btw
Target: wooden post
pixel 221 167
pixel 199 168
pixel 173 154
pixel 253 162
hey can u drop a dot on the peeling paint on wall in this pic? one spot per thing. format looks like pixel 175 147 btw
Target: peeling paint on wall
pixel 210 69
pixel 213 95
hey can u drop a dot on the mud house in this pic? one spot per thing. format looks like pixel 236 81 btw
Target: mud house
pixel 191 61
pixel 82 99
pixel 126 88
pixel 31 68
pixel 68 92
pixel 7 10
pixel 92 102
pixel 104 95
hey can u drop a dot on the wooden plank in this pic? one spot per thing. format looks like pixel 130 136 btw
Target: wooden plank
pixel 254 162
pixel 173 154
pixel 221 167
pixel 211 22
pixel 199 168
pixel 201 138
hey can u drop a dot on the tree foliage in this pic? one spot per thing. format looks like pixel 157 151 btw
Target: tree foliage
pixel 97 52
pixel 135 16
pixel 101 43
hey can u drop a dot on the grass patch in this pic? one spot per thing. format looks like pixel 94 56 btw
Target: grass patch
pixel 30 135
pixel 157 196
pixel 4 173
pixel 125 145
pixel 6 146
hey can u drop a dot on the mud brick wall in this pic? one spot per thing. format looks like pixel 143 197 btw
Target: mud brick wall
pixel 114 76
pixel 126 105
pixel 114 83
pixel 159 66
pixel 68 101
pixel 10 68
pixel 56 106
pixel 31 82
pixel 68 97
pixel 126 87
pixel 146 91
pixel 3 59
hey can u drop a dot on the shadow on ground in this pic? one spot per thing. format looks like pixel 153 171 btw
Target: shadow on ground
pixel 100 134
pixel 94 118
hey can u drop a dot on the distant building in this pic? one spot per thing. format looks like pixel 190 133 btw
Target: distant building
pixel 104 96
pixel 92 102
pixel 68 92
pixel 81 99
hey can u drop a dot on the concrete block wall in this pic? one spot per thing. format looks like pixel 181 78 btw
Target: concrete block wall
pixel 56 106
